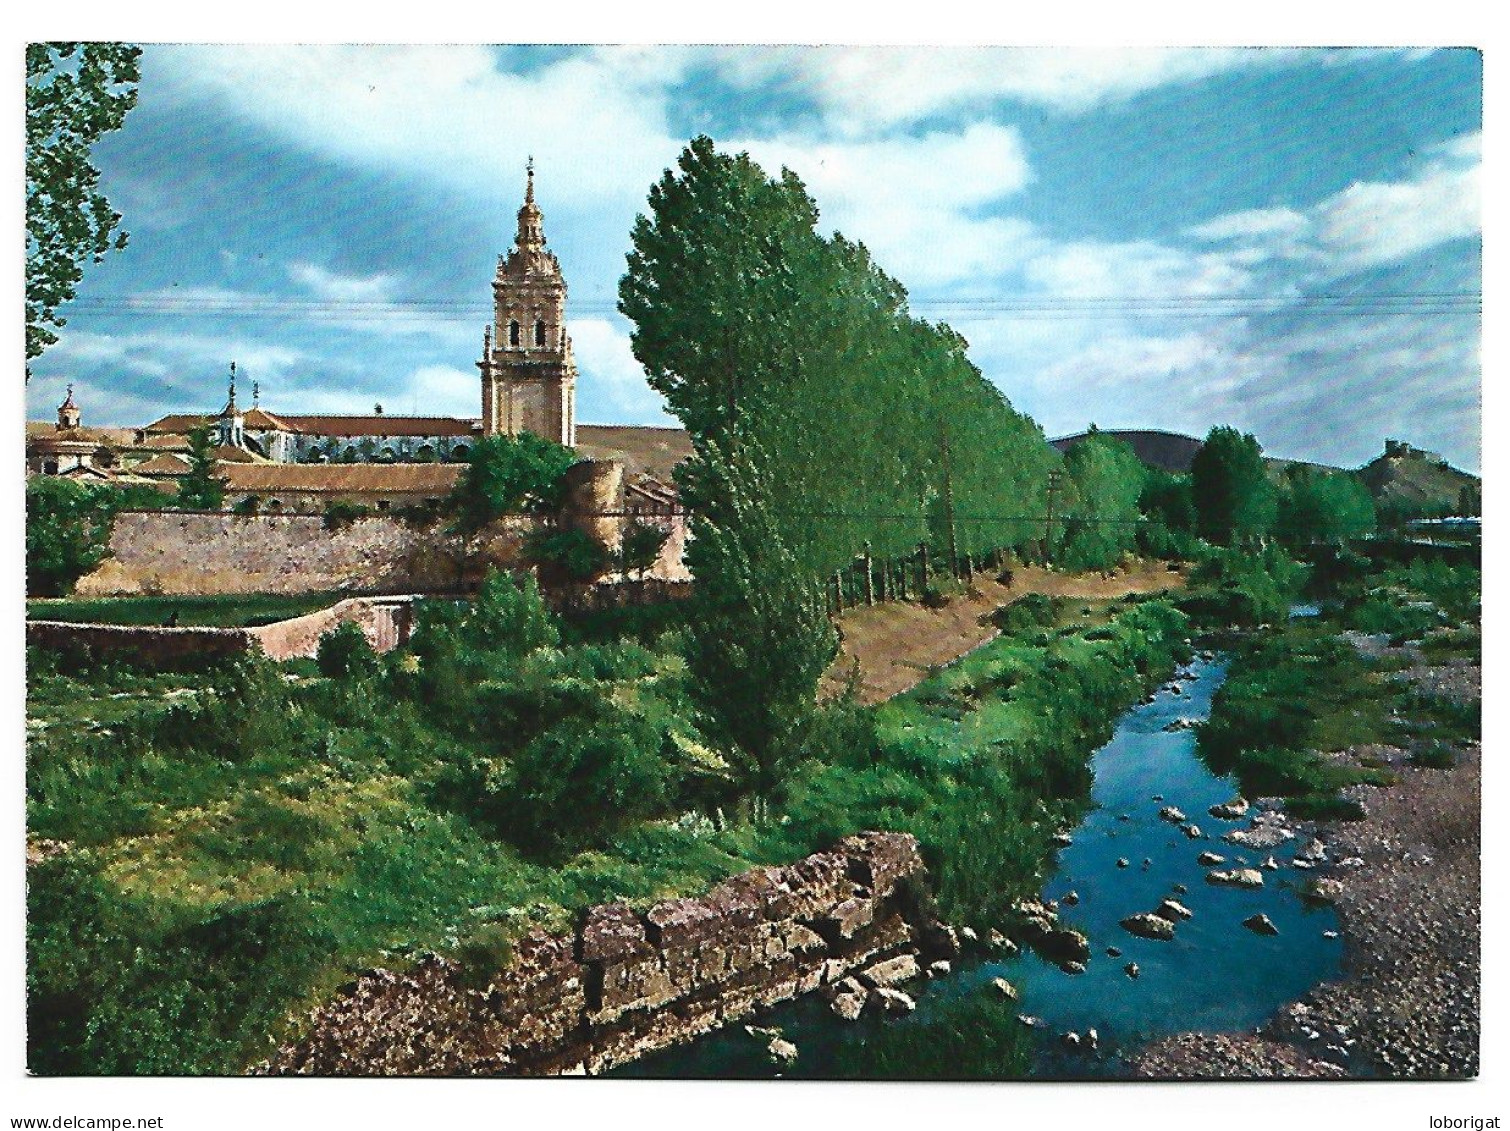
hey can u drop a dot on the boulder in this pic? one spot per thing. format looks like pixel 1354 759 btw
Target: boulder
pixel 1193 832
pixel 1114 952
pixel 1238 878
pixel 894 1002
pixel 967 934
pixel 1260 924
pixel 1172 910
pixel 939 969
pixel 849 1006
pixel 781 1051
pixel 1210 859
pixel 1072 967
pixel 1329 934
pixel 1063 840
pixel 1070 1041
pixel 1005 988
pixel 1092 1039
pixel 1131 970
pixel 1071 898
pixel 1234 810
pixel 1029 1020
pixel 902 968
pixel 1178 889
pixel 1270 865
pixel 1324 889
pixel 1148 926
pixel 1171 814
pixel 1122 861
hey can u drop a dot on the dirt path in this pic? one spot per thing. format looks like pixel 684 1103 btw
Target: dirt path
pixel 897 644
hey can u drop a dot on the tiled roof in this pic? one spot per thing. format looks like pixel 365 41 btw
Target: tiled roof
pixel 229 453
pixel 180 423
pixel 384 425
pixel 164 464
pixel 428 478
pixel 642 450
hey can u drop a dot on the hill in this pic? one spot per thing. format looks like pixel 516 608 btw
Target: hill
pixel 1168 451
pixel 1408 478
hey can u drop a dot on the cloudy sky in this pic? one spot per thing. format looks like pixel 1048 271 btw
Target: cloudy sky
pixel 1283 240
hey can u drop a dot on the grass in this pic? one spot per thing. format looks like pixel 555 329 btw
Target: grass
pixel 240 851
pixel 228 611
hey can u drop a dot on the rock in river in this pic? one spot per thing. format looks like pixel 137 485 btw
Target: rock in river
pixel 1238 878
pixel 1172 910
pixel 1172 815
pixel 1193 832
pixel 1210 859
pixel 1148 926
pixel 1131 970
pixel 1260 924
pixel 1233 810
pixel 1005 988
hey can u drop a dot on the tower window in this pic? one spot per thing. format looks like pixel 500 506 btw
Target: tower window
pixel 513 333
pixel 540 332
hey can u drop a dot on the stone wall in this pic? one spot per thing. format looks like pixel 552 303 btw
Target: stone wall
pixel 846 923
pixel 196 554
pixel 385 621
pixel 163 648
pixel 203 553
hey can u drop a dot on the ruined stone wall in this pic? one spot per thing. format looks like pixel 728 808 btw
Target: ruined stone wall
pixel 627 982
pixel 166 648
pixel 385 621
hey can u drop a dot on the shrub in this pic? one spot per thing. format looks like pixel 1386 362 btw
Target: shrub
pixel 574 553
pixel 1033 611
pixel 345 653
pixel 509 617
pixel 586 778
pixel 340 514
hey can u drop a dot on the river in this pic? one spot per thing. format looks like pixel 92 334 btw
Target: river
pixel 1215 975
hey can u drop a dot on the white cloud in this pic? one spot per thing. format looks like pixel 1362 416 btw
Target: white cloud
pixel 611 376
pixel 1369 223
pixel 331 286
pixel 915 201
pixel 863 89
pixel 445 114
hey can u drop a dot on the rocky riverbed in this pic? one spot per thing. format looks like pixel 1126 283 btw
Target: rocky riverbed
pixel 1406 886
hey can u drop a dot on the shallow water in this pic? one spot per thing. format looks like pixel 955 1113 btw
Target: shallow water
pixel 1214 975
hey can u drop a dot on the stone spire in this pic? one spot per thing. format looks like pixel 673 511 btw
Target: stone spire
pixel 68 412
pixel 230 405
pixel 531 237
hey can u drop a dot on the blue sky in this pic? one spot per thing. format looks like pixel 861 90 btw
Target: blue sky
pixel 1287 241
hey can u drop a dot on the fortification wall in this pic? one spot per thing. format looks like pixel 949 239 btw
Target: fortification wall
pixel 626 983
pixel 182 553
pixel 203 553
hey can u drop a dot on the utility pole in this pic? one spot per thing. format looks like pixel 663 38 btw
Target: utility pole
pixel 1056 478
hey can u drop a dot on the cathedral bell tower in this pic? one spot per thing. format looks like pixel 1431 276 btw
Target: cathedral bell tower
pixel 529 380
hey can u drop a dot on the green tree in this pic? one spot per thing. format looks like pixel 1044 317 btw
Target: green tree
pixel 1105 479
pixel 202 489
pixel 67 532
pixel 75 94
pixel 508 616
pixel 1234 501
pixel 345 653
pixel 507 475
pixel 758 635
pixel 1321 507
pixel 639 547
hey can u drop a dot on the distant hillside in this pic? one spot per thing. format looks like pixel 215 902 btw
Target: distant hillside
pixel 1407 477
pixel 1404 478
pixel 1168 451
pixel 644 450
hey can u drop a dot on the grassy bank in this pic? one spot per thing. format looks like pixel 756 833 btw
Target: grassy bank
pixel 240 843
pixel 228 611
pixel 1298 692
